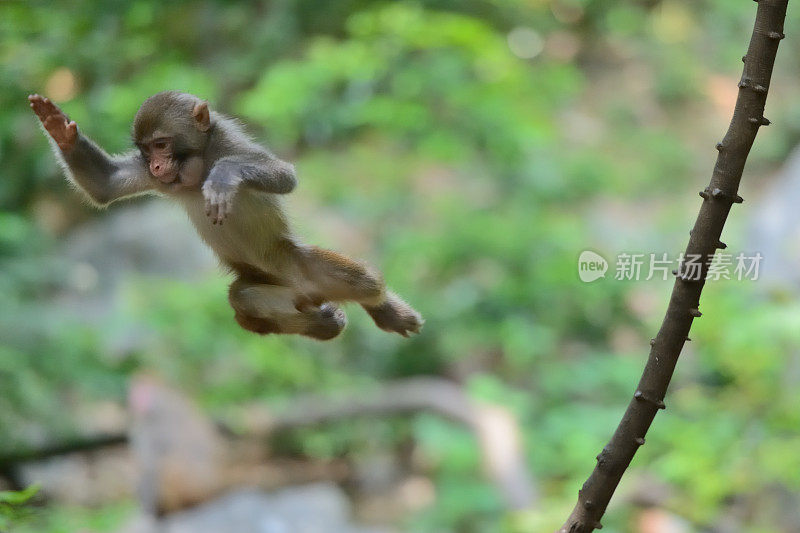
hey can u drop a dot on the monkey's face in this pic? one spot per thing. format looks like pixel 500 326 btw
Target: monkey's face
pixel 171 131
pixel 176 167
pixel 159 154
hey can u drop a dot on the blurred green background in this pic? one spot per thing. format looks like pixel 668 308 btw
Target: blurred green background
pixel 471 149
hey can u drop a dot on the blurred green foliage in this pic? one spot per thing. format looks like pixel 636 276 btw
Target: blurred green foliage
pixel 13 505
pixel 474 177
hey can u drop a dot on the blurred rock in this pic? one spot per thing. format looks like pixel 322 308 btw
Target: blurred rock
pixel 376 472
pixel 656 520
pixel 84 478
pixel 317 508
pixel 101 417
pixel 394 504
pixel 183 459
pixel 646 490
pixel 775 226
pixel 180 454
pixel 152 238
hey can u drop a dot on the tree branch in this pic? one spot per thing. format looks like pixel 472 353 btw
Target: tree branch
pixel 718 197
pixel 495 428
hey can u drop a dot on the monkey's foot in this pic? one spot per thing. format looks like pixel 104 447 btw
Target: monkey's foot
pixel 325 323
pixel 395 315
pixel 262 326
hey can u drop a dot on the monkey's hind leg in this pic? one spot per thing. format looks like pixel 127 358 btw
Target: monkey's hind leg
pixel 332 276
pixel 395 315
pixel 329 276
pixel 266 309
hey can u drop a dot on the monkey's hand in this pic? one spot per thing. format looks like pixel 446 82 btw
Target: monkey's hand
pixel 60 128
pixel 219 190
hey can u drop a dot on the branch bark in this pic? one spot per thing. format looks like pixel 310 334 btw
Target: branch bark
pixel 718 197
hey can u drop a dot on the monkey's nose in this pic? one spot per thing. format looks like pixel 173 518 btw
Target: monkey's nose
pixel 157 168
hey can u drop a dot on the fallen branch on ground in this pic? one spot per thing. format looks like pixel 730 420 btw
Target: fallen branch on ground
pixel 495 428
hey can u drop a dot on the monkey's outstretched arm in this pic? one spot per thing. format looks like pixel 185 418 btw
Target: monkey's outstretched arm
pixel 262 172
pixel 105 178
pixel 229 173
pixel 102 177
pixel 270 175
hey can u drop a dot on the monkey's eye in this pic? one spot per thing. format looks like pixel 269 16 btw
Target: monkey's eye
pixel 161 144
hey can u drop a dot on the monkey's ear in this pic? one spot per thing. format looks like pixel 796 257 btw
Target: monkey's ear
pixel 201 116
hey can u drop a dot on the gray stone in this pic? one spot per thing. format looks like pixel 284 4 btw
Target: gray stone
pixel 315 508
pixel 774 228
pixel 153 238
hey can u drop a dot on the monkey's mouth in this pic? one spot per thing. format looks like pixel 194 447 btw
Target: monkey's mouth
pixel 164 170
pixel 167 177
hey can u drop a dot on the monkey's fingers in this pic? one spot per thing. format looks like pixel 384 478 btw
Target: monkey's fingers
pixel 207 196
pixel 70 136
pixel 53 122
pixel 224 208
pixel 213 212
pixel 44 108
pixel 212 207
pixel 37 104
pixel 64 133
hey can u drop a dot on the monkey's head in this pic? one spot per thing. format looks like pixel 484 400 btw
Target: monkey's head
pixel 170 128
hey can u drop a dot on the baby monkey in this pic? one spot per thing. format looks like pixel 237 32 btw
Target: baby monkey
pixel 231 189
